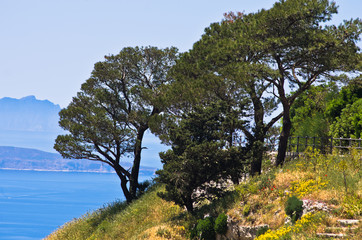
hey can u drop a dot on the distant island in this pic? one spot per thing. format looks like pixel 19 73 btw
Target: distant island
pixel 15 158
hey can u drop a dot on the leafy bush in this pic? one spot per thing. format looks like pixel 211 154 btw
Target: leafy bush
pixel 352 206
pixel 221 224
pixel 143 187
pixel 294 208
pixel 205 229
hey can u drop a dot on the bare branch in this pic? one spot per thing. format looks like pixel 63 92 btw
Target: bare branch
pixel 274 120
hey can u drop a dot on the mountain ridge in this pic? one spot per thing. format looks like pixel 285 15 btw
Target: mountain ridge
pixel 29 114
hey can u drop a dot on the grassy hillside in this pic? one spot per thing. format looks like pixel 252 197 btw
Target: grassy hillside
pixel 331 185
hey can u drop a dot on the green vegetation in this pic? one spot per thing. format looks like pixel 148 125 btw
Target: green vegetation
pixel 327 111
pixel 150 217
pixel 294 208
pixel 245 56
pixel 237 64
pixel 221 224
pixel 205 229
pixel 198 157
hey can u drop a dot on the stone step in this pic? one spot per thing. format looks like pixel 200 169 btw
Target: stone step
pixel 331 235
pixel 347 222
pixel 341 228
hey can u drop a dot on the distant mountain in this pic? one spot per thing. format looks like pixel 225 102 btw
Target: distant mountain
pixel 29 114
pixel 32 159
pixel 29 122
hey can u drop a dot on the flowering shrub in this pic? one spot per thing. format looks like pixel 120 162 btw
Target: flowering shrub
pixel 284 231
pixel 302 188
pixel 266 186
pixel 352 206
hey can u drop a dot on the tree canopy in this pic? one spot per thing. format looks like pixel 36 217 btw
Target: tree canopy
pixel 107 119
pixel 290 44
pixel 349 124
pixel 308 113
pixel 198 161
pixel 326 110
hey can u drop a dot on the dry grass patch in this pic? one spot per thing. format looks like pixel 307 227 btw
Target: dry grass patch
pixel 163 232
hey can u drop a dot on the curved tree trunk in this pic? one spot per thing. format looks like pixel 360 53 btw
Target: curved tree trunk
pixel 124 181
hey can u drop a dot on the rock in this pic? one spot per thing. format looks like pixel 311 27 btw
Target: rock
pixel 236 231
pixel 331 235
pixel 288 221
pixel 311 206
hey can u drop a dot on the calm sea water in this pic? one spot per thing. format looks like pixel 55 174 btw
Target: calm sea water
pixel 33 204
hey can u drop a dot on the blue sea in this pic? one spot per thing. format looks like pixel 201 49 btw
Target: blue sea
pixel 33 203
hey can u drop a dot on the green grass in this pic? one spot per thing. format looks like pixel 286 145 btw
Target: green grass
pixel 119 221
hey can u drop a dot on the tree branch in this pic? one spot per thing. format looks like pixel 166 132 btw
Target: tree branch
pixel 247 133
pixel 271 123
pixel 303 87
pixel 124 91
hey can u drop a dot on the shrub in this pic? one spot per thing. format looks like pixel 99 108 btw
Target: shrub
pixel 262 230
pixel 221 224
pixel 352 206
pixel 265 181
pixel 205 229
pixel 294 208
pixel 162 232
pixel 143 187
pixel 246 210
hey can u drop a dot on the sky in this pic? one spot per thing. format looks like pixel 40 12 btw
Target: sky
pixel 48 47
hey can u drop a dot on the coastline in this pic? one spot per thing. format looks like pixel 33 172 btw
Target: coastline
pixel 57 170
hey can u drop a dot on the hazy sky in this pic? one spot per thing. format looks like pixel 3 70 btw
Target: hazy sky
pixel 48 47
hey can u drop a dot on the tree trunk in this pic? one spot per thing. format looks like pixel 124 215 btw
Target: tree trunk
pixel 284 135
pixel 189 204
pixel 137 160
pixel 124 181
pixel 257 156
pixel 259 134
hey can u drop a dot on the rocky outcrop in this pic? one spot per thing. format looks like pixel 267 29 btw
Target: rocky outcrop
pixel 311 206
pixel 238 232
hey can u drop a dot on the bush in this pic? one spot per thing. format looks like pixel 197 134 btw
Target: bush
pixel 221 224
pixel 352 206
pixel 143 187
pixel 205 229
pixel 262 230
pixel 294 208
pixel 246 210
